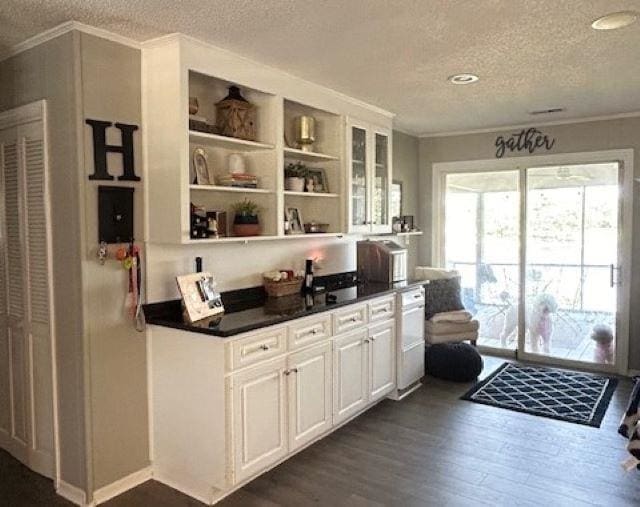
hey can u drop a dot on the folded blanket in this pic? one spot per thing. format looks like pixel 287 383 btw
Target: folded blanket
pixel 455 316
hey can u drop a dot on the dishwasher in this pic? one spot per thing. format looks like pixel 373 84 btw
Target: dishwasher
pixel 409 342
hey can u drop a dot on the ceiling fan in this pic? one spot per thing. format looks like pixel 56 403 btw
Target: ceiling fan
pixel 564 174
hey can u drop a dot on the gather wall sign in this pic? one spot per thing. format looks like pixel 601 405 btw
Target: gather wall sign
pixel 530 140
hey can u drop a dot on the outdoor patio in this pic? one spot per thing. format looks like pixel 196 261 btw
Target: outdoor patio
pixel 570 338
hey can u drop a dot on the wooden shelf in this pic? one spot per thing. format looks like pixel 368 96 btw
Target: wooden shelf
pixel 309 194
pixel 250 239
pixel 412 233
pixel 228 142
pixel 307 155
pixel 221 188
pixel 314 235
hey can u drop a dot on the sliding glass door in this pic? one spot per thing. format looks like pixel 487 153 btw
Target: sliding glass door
pixel 482 237
pixel 537 249
pixel 571 253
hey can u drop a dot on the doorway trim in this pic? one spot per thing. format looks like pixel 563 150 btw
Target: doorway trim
pixel 623 156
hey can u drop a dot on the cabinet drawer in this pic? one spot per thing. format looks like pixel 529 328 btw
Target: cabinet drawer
pixel 351 317
pixel 310 330
pixel 258 347
pixel 382 309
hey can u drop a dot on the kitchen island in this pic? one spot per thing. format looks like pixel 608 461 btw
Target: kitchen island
pixel 236 395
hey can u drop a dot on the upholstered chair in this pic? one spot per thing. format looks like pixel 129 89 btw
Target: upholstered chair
pixel 446 319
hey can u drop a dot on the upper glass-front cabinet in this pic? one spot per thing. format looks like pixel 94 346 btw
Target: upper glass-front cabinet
pixel 370 178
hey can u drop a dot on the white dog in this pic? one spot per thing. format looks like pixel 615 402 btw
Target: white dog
pixel 538 320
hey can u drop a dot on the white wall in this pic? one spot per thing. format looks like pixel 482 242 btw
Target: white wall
pixel 237 266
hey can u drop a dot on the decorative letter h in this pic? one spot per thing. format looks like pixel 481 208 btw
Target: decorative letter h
pixel 101 148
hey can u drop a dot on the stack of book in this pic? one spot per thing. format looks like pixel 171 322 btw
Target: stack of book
pixel 242 180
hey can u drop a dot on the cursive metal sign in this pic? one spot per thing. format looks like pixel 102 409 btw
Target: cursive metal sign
pixel 526 140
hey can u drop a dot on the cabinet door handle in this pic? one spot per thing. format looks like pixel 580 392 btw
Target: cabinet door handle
pixel 264 347
pixel 372 338
pixel 354 319
pixel 289 372
pixel 380 310
pixel 366 341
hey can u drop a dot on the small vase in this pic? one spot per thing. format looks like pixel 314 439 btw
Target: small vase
pixel 294 184
pixel 236 163
pixel 243 230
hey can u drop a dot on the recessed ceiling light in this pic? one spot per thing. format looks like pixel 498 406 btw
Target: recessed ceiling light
pixel 615 20
pixel 463 79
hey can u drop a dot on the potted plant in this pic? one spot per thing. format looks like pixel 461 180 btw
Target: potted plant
pixel 294 176
pixel 245 221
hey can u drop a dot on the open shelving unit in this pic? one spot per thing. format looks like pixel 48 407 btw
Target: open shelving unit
pixel 176 69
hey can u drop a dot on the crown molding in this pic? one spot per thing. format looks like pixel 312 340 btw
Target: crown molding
pixel 167 39
pixel 567 121
pixel 63 28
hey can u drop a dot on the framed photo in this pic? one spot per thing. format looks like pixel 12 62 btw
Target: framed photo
pixel 319 179
pixel 200 298
pixel 201 168
pixel 295 221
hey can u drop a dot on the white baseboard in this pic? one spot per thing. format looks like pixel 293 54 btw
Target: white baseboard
pixel 121 485
pixel 634 373
pixel 72 493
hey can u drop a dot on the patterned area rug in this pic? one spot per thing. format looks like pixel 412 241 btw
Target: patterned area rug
pixel 575 397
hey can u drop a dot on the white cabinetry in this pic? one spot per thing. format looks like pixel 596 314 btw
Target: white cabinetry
pixel 350 375
pixel 309 384
pixel 176 69
pixel 225 410
pixel 382 371
pixel 369 178
pixel 259 411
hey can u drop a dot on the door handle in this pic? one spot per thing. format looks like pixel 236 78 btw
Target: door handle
pixel 611 277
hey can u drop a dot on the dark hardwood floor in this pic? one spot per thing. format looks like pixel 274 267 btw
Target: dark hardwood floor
pixel 429 449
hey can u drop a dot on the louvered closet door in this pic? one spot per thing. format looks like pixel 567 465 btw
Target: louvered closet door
pixel 8 163
pixel 24 304
pixel 38 325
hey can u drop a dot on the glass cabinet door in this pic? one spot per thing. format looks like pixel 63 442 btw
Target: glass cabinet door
pixel 358 177
pixel 381 184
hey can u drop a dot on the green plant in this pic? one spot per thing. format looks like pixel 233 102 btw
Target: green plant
pixel 245 210
pixel 297 170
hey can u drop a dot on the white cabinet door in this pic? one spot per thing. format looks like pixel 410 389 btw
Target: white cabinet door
pixel 309 375
pixel 382 360
pixel 259 412
pixel 369 178
pixel 350 375
pixel 381 181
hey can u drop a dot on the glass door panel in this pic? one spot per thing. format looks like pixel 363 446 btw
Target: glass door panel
pixel 358 177
pixel 482 243
pixel 571 257
pixel 381 181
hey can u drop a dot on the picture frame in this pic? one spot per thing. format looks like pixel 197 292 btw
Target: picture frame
pixel 201 171
pixel 295 221
pixel 319 178
pixel 201 300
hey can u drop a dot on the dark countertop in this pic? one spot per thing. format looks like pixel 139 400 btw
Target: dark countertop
pixel 250 309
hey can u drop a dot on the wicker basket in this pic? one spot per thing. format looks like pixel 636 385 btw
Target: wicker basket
pixel 283 287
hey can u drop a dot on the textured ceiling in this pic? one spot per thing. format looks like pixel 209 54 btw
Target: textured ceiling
pixel 398 54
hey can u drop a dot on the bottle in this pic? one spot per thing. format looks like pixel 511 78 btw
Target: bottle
pixel 307 284
pixel 198 264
